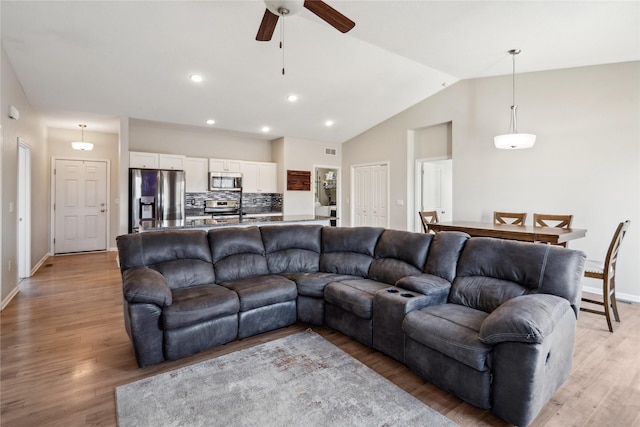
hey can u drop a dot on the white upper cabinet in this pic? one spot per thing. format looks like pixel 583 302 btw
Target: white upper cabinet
pixel 224 165
pixel 143 160
pixel 259 177
pixel 196 174
pixel 171 161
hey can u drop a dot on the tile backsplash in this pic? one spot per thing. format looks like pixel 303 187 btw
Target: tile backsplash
pixel 251 202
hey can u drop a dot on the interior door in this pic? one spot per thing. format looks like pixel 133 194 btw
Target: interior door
pixel 24 209
pixel 370 196
pixel 437 188
pixel 80 206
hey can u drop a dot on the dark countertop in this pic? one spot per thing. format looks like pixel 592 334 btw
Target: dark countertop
pixel 148 225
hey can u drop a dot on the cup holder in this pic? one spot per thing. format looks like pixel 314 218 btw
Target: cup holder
pixel 407 295
pixel 392 291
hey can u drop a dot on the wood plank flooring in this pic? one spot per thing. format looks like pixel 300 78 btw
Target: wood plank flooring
pixel 64 350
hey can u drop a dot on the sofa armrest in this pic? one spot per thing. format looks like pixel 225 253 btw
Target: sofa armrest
pixel 526 318
pixel 434 287
pixel 144 285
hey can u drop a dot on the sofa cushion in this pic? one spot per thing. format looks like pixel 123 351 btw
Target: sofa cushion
pixel 260 291
pixel 313 284
pixel 199 303
pixel 354 296
pixel 292 249
pixel 181 256
pixel 452 330
pixel 237 252
pixel 444 253
pixel 399 254
pixel 348 250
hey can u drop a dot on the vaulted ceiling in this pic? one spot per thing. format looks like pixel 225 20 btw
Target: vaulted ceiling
pixel 93 61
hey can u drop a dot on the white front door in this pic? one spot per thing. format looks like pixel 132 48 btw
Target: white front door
pixel 437 188
pixel 370 196
pixel 80 206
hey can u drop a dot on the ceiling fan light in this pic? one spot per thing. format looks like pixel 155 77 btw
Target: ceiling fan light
pixel 514 141
pixel 291 6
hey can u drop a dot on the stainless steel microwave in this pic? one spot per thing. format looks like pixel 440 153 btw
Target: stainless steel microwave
pixel 230 181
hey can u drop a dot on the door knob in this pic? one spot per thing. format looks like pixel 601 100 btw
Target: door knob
pixel 102 210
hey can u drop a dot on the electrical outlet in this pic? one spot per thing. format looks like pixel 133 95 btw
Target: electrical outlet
pixel 400 202
pixel 10 265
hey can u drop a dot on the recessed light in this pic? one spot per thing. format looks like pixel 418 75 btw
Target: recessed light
pixel 265 129
pixel 292 98
pixel 211 122
pixel 196 78
pixel 328 123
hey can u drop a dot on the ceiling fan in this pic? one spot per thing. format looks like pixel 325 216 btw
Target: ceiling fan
pixel 277 8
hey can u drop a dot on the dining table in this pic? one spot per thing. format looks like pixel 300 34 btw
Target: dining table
pixel 525 233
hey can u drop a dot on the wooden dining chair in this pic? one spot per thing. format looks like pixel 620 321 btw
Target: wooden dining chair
pixel 515 218
pixel 606 271
pixel 557 221
pixel 428 217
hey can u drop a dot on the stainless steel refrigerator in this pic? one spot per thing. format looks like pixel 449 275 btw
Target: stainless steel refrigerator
pixel 155 194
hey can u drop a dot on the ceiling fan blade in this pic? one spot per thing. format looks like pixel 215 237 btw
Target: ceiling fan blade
pixel 330 15
pixel 267 26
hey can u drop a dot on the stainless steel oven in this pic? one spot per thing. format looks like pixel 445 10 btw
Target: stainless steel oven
pixel 230 181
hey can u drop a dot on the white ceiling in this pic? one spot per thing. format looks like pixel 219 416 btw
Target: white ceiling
pixel 93 61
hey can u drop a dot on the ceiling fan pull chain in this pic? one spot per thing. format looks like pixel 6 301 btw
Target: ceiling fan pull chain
pixel 282 42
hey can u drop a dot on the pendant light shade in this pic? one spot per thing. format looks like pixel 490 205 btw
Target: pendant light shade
pixel 514 140
pixel 82 145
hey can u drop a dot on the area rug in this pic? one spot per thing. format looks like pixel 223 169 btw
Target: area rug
pixel 300 380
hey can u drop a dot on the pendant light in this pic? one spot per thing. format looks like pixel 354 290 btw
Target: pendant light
pixel 82 145
pixel 514 140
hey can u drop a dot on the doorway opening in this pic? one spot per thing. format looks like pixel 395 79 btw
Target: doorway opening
pixel 326 194
pixel 434 181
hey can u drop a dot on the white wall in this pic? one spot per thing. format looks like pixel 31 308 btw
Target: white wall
pixel 30 128
pixel 586 160
pixel 302 154
pixel 195 141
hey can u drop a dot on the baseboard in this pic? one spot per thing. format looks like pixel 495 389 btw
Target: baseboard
pixel 620 296
pixel 39 264
pixel 9 297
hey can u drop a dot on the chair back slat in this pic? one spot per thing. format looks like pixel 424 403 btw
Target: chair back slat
pixel 557 221
pixel 614 248
pixel 515 218
pixel 426 218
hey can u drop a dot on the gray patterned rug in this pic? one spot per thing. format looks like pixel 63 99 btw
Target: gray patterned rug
pixel 300 380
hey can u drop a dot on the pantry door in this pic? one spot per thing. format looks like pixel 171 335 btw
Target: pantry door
pixel 370 196
pixel 80 209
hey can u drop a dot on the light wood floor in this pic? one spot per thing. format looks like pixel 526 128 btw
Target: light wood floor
pixel 65 349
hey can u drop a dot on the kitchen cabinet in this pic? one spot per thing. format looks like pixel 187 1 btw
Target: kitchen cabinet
pixel 259 177
pixel 224 165
pixel 143 160
pixel 171 161
pixel 196 174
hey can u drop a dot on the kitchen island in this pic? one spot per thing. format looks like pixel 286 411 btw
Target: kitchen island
pixel 207 223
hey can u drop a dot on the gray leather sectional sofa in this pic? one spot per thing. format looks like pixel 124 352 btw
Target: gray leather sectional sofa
pixel 491 321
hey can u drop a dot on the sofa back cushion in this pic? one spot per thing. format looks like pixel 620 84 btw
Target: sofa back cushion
pixel 399 254
pixel 492 271
pixel 444 253
pixel 348 250
pixel 181 256
pixel 237 252
pixel 292 249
